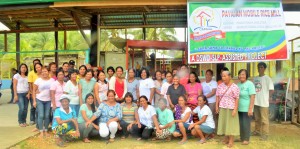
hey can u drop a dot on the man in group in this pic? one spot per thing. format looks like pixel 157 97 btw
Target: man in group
pixel 264 89
pixel 71 64
pixel 32 76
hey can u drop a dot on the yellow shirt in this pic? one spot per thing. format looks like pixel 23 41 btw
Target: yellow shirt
pixel 32 76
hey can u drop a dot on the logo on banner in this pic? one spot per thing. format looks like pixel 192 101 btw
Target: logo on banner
pixel 205 23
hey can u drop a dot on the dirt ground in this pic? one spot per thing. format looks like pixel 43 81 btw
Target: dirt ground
pixel 282 136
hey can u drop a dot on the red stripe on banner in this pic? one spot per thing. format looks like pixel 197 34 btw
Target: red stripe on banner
pixel 281 54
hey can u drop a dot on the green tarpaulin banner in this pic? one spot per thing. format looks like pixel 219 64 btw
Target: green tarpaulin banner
pixel 221 33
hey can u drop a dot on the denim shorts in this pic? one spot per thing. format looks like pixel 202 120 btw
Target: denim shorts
pixel 186 126
pixel 206 129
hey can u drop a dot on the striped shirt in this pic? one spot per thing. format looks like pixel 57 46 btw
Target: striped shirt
pixel 128 113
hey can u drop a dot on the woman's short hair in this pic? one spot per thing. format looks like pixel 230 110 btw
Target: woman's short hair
pixel 246 71
pixel 157 71
pixel 184 98
pixel 147 72
pixel 227 72
pixel 128 94
pixel 131 69
pixel 110 68
pixel 262 64
pixel 89 70
pixel 164 100
pixel 72 71
pixel 58 71
pixel 50 64
pixel 19 69
pixel 210 71
pixel 34 67
pixel 119 67
pixel 111 91
pixel 65 63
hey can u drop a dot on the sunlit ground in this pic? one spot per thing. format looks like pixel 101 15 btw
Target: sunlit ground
pixel 282 137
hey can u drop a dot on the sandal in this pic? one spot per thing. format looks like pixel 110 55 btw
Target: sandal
pixel 61 144
pixel 230 145
pixel 182 142
pixel 245 143
pixel 138 139
pixel 202 141
pixel 22 125
pixel 111 140
pixel 123 137
pixel 154 139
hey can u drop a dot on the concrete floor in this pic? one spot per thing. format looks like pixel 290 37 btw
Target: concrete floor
pixel 10 131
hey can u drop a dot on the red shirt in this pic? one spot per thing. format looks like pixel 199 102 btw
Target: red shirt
pixel 184 80
pixel 119 88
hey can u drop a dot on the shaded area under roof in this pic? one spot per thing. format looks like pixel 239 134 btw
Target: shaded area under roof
pixel 40 15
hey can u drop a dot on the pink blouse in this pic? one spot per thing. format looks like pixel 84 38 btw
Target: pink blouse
pixel 228 100
pixel 192 92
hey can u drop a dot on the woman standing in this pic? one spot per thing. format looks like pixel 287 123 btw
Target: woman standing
pixel 42 100
pixel 209 91
pixel 227 105
pixel 57 89
pixel 183 119
pixel 52 70
pixel 118 84
pixel 86 86
pixel 206 125
pixel 82 71
pixel 110 72
pixel 85 114
pixel 174 92
pixel 165 86
pixel 71 89
pixel 133 85
pixel 100 88
pixel 65 68
pixel 128 112
pixel 21 91
pixel 193 90
pixel 246 104
pixel 109 114
pixel 158 84
pixel 147 87
pixel 146 120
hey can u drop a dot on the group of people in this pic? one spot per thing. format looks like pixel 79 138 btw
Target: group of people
pixel 85 103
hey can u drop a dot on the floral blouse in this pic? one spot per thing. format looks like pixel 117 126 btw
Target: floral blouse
pixel 106 112
pixel 228 99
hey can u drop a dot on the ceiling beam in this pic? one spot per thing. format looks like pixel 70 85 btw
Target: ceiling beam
pixel 80 12
pixel 48 29
pixel 78 23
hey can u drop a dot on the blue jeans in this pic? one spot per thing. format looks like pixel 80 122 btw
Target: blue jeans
pixel 43 108
pixel 75 108
pixel 32 110
pixel 23 107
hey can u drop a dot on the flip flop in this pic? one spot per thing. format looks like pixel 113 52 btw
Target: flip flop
pixel 202 141
pixel 182 142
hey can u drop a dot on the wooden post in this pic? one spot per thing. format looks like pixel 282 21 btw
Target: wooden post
pixel 56 42
pixel 127 56
pixel 18 45
pixel 132 58
pixel 94 45
pixel 5 42
pixel 65 40
pixel 293 82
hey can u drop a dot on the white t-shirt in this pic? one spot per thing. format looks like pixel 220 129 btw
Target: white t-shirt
pixel 145 87
pixel 146 115
pixel 164 89
pixel 187 109
pixel 205 111
pixel 262 87
pixel 207 88
pixel 43 89
pixel 72 91
pixel 22 86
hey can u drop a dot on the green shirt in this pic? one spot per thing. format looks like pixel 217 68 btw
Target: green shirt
pixel 246 89
pixel 89 113
pixel 86 87
pixel 165 117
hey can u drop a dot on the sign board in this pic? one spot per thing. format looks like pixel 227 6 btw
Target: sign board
pixel 219 33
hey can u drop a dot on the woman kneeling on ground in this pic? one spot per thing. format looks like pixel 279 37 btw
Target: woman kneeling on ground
pixel 109 114
pixel 64 122
pixel 165 116
pixel 183 119
pixel 85 114
pixel 206 125
pixel 145 119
